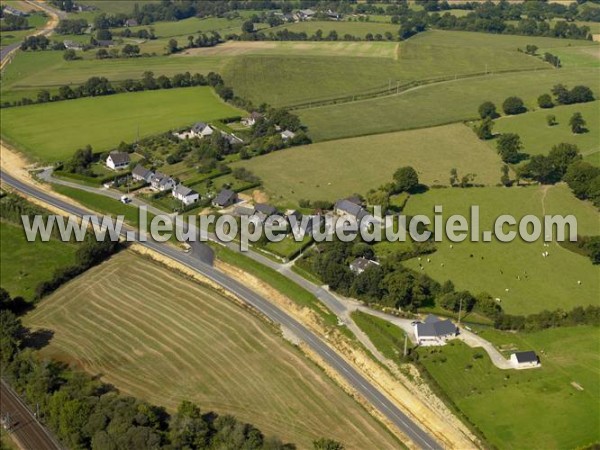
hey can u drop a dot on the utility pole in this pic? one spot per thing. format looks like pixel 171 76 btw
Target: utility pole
pixel 459 311
pixel 405 344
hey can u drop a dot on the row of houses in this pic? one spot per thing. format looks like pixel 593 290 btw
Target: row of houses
pixel 161 182
pixel 202 130
pixel 15 12
pixel 308 14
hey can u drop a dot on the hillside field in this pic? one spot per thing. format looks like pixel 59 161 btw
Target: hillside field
pixel 190 343
pixel 538 137
pixel 26 264
pixel 493 267
pixel 53 131
pixel 436 104
pixel 330 170
pixel 429 55
pixel 538 408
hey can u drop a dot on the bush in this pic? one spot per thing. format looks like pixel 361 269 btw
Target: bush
pixel 545 101
pixel 513 105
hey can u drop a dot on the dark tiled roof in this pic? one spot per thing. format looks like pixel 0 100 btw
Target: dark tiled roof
pixel 224 197
pixel 119 158
pixel 435 327
pixel 265 209
pixel 526 357
pixel 184 190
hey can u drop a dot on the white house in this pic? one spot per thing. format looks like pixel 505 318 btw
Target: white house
pixel 251 119
pixel 201 130
pixel 117 160
pixel 287 134
pixel 359 265
pixel 162 182
pixel 434 331
pixel 525 360
pixel 185 195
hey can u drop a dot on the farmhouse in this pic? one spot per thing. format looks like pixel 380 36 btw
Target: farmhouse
pixel 162 182
pixel 262 212
pixel 525 360
pixel 131 23
pixel 140 173
pixel 434 331
pixel 251 119
pixel 225 198
pixel 185 194
pixel 117 160
pixel 287 134
pixel 305 14
pixel 359 265
pixel 72 45
pixel 243 211
pixel 105 43
pixel 201 130
pixel 333 15
pixel 346 207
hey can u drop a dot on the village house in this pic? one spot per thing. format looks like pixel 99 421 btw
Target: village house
pixel 104 43
pixel 131 23
pixel 251 119
pixel 346 207
pixel 72 45
pixel 287 134
pixel 140 173
pixel 359 265
pixel 161 182
pixel 525 360
pixel 434 331
pixel 333 15
pixel 202 130
pixel 305 14
pixel 225 198
pixel 262 212
pixel 117 160
pixel 186 195
pixel 15 12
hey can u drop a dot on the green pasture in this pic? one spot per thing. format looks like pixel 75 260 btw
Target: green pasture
pixel 53 131
pixel 553 407
pixel 370 161
pixel 515 272
pixel 36 20
pixel 538 137
pixel 439 103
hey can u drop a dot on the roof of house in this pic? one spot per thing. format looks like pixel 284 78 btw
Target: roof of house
pixel 243 211
pixel 350 208
pixel 224 197
pixel 185 191
pixel 131 23
pixel 165 180
pixel 105 43
pixel 362 264
pixel 307 12
pixel 199 126
pixel 264 208
pixel 288 134
pixel 435 327
pixel 119 158
pixel 141 171
pixel 526 357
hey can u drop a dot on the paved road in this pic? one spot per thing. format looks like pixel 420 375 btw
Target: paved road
pixel 29 433
pixel 420 437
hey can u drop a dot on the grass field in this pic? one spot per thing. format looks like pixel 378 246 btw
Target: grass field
pixel 359 29
pixel 35 20
pixel 437 104
pixel 427 56
pixel 539 408
pixel 385 336
pixel 494 267
pixel 538 137
pixel 26 264
pixel 369 162
pixel 192 344
pixel 53 131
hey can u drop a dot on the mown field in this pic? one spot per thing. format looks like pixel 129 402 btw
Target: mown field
pixel 53 131
pixel 430 55
pixel 534 283
pixel 26 264
pixel 437 104
pixel 538 137
pixel 554 407
pixel 189 343
pixel 330 170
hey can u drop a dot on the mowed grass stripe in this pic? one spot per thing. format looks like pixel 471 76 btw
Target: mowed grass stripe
pixel 159 336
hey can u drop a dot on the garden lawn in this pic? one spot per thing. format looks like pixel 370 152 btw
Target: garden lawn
pixel 538 408
pixel 369 162
pixel 53 131
pixel 514 272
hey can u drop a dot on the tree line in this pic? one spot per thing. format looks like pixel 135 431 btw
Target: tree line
pixel 99 86
pixel 12 22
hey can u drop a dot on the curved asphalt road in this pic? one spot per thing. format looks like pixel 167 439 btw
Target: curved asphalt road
pixel 356 380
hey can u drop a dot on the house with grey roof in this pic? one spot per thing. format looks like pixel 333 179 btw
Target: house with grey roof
pixel 251 119
pixel 434 331
pixel 359 265
pixel 225 198
pixel 287 134
pixel 525 360
pixel 161 182
pixel 346 207
pixel 117 160
pixel 72 45
pixel 140 173
pixel 15 12
pixel 186 195
pixel 131 23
